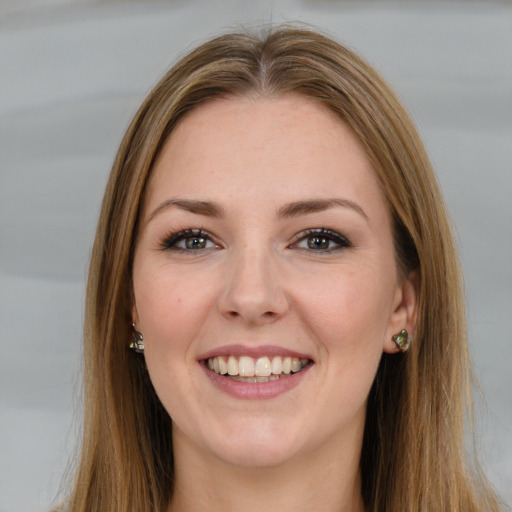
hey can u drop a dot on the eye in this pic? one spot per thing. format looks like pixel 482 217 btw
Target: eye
pixel 321 240
pixel 189 240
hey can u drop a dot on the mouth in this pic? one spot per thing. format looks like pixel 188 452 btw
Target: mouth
pixel 256 369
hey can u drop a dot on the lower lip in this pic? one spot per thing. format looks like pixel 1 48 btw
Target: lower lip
pixel 256 390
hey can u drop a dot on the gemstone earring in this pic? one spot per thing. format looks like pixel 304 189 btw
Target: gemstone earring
pixel 137 345
pixel 402 340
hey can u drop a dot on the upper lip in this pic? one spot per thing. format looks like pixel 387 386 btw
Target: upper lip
pixel 252 351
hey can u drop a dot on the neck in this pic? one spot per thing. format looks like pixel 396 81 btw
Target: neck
pixel 327 480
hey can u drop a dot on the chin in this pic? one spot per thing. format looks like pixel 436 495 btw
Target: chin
pixel 256 447
pixel 254 457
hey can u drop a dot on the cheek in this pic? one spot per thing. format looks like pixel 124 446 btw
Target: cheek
pixel 170 308
pixel 348 309
pixel 348 315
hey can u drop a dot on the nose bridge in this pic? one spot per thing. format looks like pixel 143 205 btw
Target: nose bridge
pixel 253 289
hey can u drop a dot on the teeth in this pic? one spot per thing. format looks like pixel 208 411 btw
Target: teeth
pixel 277 365
pixel 232 366
pixel 296 365
pixel 223 366
pixel 245 366
pixel 256 379
pixel 262 369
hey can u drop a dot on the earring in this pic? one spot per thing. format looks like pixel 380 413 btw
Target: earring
pixel 137 345
pixel 402 340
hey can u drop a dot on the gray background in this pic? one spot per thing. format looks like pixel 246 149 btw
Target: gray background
pixel 71 76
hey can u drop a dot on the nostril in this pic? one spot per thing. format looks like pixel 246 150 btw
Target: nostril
pixel 267 314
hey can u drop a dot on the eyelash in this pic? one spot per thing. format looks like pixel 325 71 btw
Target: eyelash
pixel 325 235
pixel 328 235
pixel 171 241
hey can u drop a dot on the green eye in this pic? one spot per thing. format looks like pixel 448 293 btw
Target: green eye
pixel 195 242
pixel 189 240
pixel 318 243
pixel 321 240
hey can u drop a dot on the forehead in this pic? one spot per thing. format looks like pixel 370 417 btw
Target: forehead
pixel 257 148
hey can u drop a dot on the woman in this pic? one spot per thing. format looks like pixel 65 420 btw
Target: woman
pixel 274 242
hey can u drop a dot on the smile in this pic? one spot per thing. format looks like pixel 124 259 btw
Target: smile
pixel 256 370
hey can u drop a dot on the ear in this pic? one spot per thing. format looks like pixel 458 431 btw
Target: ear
pixel 135 315
pixel 405 310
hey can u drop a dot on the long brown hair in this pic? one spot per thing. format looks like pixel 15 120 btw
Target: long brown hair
pixel 413 457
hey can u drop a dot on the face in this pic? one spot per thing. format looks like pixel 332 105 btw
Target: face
pixel 265 281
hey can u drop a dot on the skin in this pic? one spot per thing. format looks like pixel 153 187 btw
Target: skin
pixel 255 282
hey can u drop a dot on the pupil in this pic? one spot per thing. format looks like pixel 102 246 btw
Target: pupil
pixel 318 242
pixel 195 243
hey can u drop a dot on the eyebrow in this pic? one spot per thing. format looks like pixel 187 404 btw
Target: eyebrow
pixel 295 209
pixel 318 205
pixel 207 208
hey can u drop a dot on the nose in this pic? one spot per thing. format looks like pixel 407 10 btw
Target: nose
pixel 252 290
